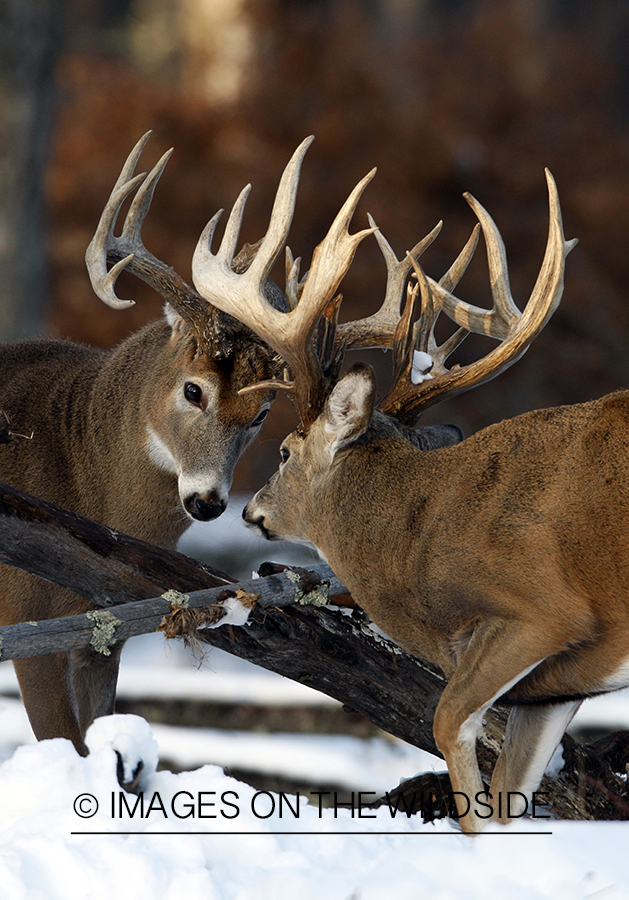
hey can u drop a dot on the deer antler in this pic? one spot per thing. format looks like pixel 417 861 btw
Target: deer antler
pixel 291 334
pixel 504 321
pixel 127 251
pixel 308 338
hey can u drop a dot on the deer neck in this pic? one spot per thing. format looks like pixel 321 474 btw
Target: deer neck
pixel 129 493
pixel 353 522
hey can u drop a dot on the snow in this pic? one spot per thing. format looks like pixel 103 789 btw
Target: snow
pixel 420 369
pixel 236 613
pixel 204 835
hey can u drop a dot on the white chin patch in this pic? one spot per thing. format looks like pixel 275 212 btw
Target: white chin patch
pixel 160 454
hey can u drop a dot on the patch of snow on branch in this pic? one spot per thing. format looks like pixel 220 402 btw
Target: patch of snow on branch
pixel 422 364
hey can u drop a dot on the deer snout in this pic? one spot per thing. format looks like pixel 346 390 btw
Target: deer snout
pixel 254 519
pixel 250 517
pixel 205 507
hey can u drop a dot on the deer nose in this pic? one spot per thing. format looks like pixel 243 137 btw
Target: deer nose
pixel 205 506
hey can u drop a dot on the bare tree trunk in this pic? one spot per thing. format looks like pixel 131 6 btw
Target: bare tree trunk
pixel 30 36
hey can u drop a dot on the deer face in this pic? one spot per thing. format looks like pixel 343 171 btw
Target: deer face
pixel 286 506
pixel 281 508
pixel 201 425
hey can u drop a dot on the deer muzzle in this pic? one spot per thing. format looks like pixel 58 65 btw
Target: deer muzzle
pixel 205 507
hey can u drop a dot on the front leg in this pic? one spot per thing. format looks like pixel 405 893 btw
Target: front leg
pixel 499 654
pixel 95 678
pixel 48 695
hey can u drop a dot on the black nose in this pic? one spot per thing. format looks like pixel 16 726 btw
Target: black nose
pixel 205 507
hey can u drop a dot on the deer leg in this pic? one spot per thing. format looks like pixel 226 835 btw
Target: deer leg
pixel 48 695
pixel 95 678
pixel 498 655
pixel 532 735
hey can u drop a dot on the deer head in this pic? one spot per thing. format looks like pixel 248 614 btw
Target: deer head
pixel 195 422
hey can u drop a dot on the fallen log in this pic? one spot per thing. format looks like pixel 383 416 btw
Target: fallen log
pixel 288 631
pixel 96 562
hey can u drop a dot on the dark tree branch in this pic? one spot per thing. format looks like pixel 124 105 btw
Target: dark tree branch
pixel 329 649
pixel 99 564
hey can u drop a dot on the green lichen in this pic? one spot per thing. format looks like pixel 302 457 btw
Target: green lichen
pixel 318 597
pixel 176 599
pixel 103 633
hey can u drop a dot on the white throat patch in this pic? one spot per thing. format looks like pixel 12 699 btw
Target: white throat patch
pixel 159 453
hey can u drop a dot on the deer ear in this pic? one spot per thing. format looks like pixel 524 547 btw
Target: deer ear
pixel 174 319
pixel 349 407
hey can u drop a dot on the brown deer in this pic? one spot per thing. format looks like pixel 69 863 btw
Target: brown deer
pixel 143 439
pixel 502 558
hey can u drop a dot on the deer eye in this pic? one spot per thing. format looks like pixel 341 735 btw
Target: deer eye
pixel 193 393
pixel 284 454
pixel 259 419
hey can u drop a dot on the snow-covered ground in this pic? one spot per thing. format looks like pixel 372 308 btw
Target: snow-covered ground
pixel 202 834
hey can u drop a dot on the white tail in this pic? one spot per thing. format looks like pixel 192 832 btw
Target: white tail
pixel 501 558
pixel 143 439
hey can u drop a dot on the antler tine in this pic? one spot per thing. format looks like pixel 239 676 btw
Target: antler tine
pixel 430 309
pixel 127 251
pixel 293 285
pixel 241 294
pixel 411 340
pixel 102 279
pixel 405 401
pixel 140 206
pixel 557 248
pixel 458 268
pixel 290 334
pixel 281 214
pixel 126 173
pixel 378 330
pixel 227 248
pixel 496 322
pixel 330 261
pixel 397 272
pixel 425 328
pixel 104 241
pixel 505 310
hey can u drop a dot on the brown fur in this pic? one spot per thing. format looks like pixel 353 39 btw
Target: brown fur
pixel 485 558
pixel 88 412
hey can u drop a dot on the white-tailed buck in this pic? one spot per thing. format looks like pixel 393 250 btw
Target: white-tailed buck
pixel 143 439
pixel 504 558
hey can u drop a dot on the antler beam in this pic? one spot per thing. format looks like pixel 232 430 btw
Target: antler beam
pixel 504 321
pixel 127 251
pixel 290 334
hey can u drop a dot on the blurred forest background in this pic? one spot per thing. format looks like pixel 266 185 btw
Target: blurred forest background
pixel 443 96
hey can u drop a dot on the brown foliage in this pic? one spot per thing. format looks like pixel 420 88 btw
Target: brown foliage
pixel 443 97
